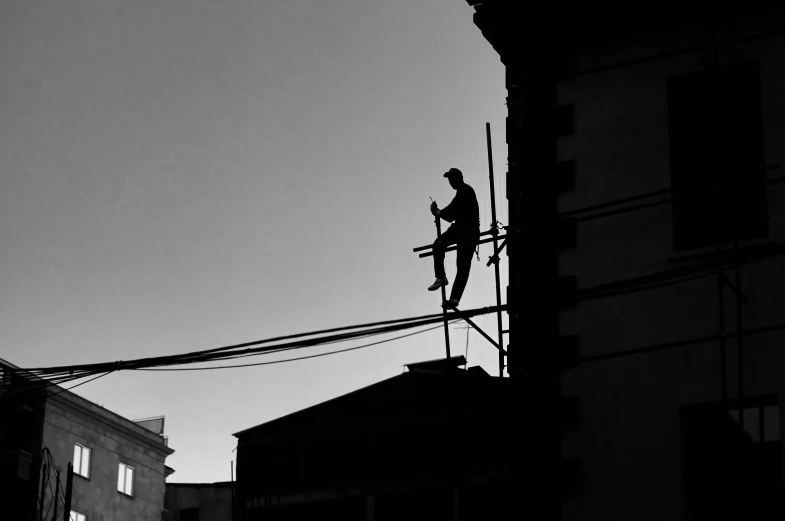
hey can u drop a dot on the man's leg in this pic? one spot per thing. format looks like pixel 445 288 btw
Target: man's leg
pixel 439 245
pixel 464 264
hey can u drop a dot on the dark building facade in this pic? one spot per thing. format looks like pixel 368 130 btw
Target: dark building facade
pixel 646 281
pixel 199 501
pixel 426 444
pixel 119 465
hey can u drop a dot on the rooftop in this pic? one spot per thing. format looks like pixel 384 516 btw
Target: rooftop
pixel 432 389
pixel 147 430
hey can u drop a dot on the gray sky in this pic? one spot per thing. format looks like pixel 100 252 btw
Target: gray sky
pixel 182 174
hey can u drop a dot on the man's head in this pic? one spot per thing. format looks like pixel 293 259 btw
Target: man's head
pixel 455 177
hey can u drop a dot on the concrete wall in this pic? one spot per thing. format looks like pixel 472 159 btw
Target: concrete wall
pixel 214 502
pixel 97 497
pixel 630 437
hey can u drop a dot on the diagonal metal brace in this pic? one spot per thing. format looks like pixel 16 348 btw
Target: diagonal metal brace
pixel 480 331
pixel 493 259
pixel 733 288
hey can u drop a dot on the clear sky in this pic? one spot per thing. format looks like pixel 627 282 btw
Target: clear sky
pixel 182 174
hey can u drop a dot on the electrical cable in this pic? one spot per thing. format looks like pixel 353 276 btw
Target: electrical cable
pixel 219 353
pixel 634 198
pixel 180 358
pixel 677 275
pixel 40 384
pixel 42 387
pixel 49 487
pixel 283 349
pixel 293 359
pixel 47 376
pixel 53 464
pixel 652 285
pixel 679 343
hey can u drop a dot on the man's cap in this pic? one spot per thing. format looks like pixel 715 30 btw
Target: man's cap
pixel 453 173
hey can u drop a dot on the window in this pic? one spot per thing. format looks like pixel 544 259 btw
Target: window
pixel 125 480
pixel 81 460
pixel 76 516
pixel 717 157
pixel 761 423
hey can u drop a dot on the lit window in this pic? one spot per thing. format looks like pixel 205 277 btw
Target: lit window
pixel 125 480
pixel 76 516
pixel 81 460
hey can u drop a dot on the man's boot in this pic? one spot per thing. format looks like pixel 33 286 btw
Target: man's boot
pixel 438 283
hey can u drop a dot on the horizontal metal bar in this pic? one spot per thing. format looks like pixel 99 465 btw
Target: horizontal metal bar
pixel 429 246
pixel 455 246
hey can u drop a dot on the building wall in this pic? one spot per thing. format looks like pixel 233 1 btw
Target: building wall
pixel 407 450
pixel 97 497
pixel 630 437
pixel 214 503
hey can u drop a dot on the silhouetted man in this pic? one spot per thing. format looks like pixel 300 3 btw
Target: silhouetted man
pixel 464 214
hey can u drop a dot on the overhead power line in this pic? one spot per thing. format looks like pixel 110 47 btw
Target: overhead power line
pixel 40 378
pixel 307 357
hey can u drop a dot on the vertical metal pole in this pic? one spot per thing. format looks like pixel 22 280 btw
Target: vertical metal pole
pixel 456 500
pixel 370 507
pixel 57 494
pixel 42 493
pixel 69 490
pixel 444 297
pixel 233 499
pixel 495 250
pixel 739 337
pixel 739 310
pixel 723 355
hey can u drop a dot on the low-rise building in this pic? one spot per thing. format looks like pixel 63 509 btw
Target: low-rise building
pixel 426 444
pixel 118 465
pixel 199 501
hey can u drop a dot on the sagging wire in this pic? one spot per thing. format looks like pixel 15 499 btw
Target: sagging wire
pixel 292 359
pixel 44 377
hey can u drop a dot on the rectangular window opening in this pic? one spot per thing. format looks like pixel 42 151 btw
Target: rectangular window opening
pixel 81 460
pixel 125 479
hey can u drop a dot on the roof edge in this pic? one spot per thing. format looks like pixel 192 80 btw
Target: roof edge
pixel 267 423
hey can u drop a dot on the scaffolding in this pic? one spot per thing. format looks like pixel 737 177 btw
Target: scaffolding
pixel 494 233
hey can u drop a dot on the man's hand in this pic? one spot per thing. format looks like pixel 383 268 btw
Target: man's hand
pixel 435 209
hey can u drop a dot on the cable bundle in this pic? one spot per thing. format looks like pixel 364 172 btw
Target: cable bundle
pixel 40 378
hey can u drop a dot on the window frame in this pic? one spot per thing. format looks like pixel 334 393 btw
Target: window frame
pixel 77 518
pixel 82 449
pixel 760 414
pixel 125 467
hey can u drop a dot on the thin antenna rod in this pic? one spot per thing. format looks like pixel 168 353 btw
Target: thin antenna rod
pixel 444 296
pixel 497 257
pixel 234 507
